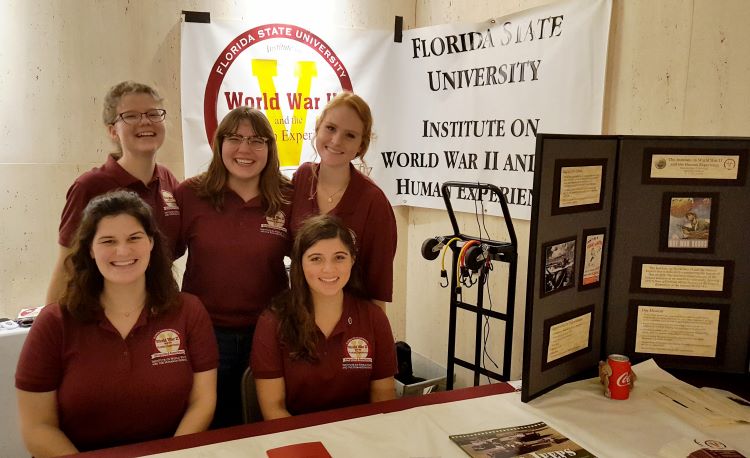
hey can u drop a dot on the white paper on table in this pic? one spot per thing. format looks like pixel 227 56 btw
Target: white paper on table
pixel 696 407
pixel 684 446
pixel 729 403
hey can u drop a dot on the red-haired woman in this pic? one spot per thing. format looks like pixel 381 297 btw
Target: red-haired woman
pixel 335 187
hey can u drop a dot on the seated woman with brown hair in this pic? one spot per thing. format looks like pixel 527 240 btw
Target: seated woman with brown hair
pixel 124 357
pixel 321 346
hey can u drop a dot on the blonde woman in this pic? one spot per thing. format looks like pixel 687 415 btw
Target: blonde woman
pixel 134 116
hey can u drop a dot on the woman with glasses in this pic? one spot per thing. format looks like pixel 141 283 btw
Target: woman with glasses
pixel 134 117
pixel 322 345
pixel 336 187
pixel 234 225
pixel 123 357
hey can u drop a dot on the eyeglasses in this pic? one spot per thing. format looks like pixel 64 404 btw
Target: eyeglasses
pixel 253 141
pixel 134 117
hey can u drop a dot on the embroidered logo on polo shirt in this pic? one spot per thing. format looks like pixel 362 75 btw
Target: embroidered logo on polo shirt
pixel 274 224
pixel 358 351
pixel 167 343
pixel 170 204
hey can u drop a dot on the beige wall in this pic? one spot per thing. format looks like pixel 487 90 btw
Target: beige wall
pixel 58 58
pixel 679 67
pixel 675 67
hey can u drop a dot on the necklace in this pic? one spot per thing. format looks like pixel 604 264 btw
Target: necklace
pixel 330 197
pixel 126 314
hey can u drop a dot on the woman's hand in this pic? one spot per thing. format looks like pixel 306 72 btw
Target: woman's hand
pixel 40 427
pixel 383 389
pixel 272 397
pixel 201 405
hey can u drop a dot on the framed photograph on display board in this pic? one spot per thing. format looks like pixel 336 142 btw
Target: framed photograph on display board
pixel 578 185
pixel 697 277
pixel 723 167
pixel 689 222
pixel 677 331
pixel 567 336
pixel 592 248
pixel 558 266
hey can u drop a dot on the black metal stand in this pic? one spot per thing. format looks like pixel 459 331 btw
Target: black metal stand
pixel 477 259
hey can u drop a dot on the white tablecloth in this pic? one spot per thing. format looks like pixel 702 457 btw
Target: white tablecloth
pixel 633 428
pixel 11 342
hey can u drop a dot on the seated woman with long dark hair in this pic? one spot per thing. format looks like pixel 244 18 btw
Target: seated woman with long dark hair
pixel 124 357
pixel 321 346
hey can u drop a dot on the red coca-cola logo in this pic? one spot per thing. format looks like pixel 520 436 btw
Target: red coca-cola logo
pixel 623 379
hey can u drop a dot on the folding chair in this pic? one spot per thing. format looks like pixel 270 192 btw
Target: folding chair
pixel 250 407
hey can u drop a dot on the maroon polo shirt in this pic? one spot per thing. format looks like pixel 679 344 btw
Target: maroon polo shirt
pixel 366 211
pixel 235 259
pixel 159 194
pixel 113 391
pixel 359 350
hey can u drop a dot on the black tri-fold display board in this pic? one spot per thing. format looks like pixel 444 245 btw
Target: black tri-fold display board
pixel 639 245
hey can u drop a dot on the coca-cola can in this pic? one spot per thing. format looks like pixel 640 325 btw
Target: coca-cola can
pixel 619 380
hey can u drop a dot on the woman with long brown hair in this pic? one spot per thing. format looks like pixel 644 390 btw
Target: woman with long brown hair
pixel 322 345
pixel 235 227
pixel 124 357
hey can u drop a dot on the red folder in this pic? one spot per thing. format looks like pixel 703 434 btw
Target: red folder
pixel 303 450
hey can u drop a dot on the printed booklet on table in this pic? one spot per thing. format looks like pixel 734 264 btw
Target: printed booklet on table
pixel 536 440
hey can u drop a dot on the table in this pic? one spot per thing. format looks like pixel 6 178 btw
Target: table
pixel 420 426
pixel 297 423
pixel 11 342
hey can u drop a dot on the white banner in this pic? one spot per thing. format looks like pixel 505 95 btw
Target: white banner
pixel 288 71
pixel 459 102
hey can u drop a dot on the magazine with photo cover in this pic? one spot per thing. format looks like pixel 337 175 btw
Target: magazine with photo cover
pixel 536 440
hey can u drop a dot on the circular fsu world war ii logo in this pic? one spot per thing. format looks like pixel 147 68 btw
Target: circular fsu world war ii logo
pixel 285 106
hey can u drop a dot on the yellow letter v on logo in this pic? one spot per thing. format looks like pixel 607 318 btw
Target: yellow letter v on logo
pixel 288 142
